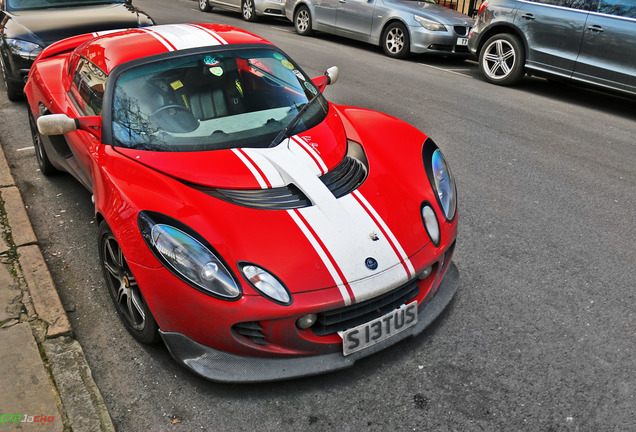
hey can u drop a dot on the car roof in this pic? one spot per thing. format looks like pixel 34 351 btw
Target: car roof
pixel 110 49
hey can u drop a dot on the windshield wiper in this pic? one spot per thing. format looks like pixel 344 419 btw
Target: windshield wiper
pixel 283 133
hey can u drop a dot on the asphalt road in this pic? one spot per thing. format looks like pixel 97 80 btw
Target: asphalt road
pixel 542 332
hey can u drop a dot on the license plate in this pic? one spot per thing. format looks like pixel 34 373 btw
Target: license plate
pixel 379 329
pixel 462 41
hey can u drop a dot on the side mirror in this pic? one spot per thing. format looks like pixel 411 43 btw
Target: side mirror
pixel 59 124
pixel 330 77
pixel 56 124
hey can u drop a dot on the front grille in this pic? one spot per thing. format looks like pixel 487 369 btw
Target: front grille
pixel 346 177
pixel 351 316
pixel 251 330
pixel 343 179
pixel 461 30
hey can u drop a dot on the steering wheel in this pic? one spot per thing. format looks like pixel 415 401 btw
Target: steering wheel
pixel 181 120
pixel 172 106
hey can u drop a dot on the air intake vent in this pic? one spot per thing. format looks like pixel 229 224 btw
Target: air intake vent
pixel 343 179
pixel 346 177
pixel 251 330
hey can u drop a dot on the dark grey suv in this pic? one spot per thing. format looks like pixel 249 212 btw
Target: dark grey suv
pixel 591 41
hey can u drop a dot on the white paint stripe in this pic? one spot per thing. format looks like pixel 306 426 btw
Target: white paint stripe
pixel 311 151
pixel 269 171
pixel 388 231
pixel 26 148
pixel 323 256
pixel 304 157
pixel 212 33
pixel 183 36
pixel 159 38
pixel 248 163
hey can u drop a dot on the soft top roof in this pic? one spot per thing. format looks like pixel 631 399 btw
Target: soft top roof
pixel 112 48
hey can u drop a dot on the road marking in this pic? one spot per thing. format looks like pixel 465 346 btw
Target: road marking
pixel 447 70
pixel 26 148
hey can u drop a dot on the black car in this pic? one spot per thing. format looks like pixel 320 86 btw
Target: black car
pixel 28 26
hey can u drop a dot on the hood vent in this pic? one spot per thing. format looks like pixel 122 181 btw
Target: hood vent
pixel 343 179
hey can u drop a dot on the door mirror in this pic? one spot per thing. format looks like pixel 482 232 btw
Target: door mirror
pixel 330 77
pixel 59 124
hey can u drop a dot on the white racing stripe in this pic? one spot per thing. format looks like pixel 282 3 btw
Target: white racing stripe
pixel 182 36
pixel 344 232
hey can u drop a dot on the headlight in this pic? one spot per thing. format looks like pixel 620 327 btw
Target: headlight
pixel 266 283
pixel 444 185
pixel 429 25
pixel 26 50
pixel 188 258
pixel 440 178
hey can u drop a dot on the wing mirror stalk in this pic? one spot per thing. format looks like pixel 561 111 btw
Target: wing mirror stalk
pixel 59 124
pixel 330 77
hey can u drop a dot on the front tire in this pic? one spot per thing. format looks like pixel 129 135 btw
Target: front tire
pixel 302 21
pixel 204 6
pixel 248 11
pixel 502 59
pixel 396 41
pixel 124 291
pixel 46 167
pixel 14 92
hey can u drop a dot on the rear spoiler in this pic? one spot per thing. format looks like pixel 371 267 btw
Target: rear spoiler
pixel 71 43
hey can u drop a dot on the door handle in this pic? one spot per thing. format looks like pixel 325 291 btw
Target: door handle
pixel 596 28
pixel 528 16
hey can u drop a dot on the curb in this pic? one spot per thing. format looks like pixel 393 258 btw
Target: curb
pixel 81 402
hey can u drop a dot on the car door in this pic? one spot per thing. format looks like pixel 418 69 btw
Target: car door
pixel 355 18
pixel 326 14
pixel 553 30
pixel 608 49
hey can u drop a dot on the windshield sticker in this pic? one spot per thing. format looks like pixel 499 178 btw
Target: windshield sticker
pixel 216 70
pixel 278 56
pixel 299 75
pixel 176 85
pixel 287 64
pixel 211 61
pixel 238 87
pixel 310 87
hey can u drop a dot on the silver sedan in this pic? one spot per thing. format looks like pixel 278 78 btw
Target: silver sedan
pixel 400 27
pixel 250 9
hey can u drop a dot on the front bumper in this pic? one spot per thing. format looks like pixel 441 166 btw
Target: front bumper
pixel 442 43
pixel 270 8
pixel 220 366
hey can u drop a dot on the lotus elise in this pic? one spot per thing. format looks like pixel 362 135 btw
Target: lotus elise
pixel 260 231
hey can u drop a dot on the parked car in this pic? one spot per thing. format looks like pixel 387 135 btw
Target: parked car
pixel 592 42
pixel 263 232
pixel 26 27
pixel 400 27
pixel 250 9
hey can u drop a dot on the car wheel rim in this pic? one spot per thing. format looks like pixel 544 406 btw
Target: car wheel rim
pixel 247 9
pixel 203 4
pixel 122 284
pixel 302 21
pixel 395 40
pixel 499 59
pixel 37 141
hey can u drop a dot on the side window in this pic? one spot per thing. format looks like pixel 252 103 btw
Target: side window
pixel 88 87
pixel 573 4
pixel 626 8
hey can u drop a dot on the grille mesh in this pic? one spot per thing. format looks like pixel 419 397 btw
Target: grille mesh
pixel 351 316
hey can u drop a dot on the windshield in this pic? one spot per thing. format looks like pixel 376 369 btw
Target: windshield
pixel 20 5
pixel 220 100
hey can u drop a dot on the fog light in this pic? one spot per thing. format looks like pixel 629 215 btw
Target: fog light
pixel 430 223
pixel 426 273
pixel 306 321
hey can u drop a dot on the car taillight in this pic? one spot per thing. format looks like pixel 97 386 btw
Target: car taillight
pixel 482 7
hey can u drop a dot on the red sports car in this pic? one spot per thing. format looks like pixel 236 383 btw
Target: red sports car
pixel 262 232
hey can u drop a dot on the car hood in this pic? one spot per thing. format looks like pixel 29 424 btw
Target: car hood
pixel 435 11
pixel 50 25
pixel 320 148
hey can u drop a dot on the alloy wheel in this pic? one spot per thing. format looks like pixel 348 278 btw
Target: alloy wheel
pixel 499 59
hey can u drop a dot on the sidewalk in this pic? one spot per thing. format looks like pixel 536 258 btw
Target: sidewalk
pixel 45 382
